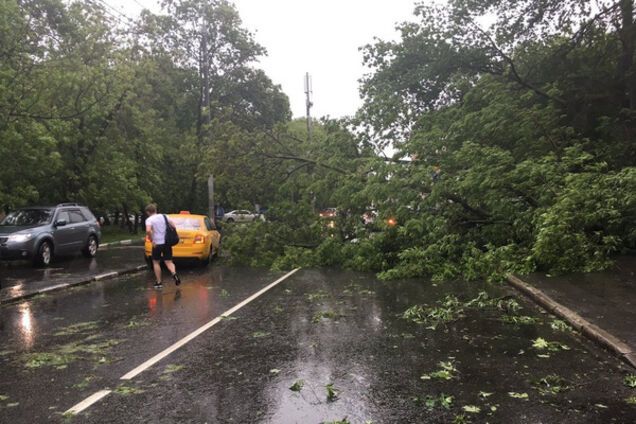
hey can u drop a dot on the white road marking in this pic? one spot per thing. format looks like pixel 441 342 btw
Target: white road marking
pixel 51 288
pixel 141 368
pixel 88 402
pixel 150 362
pixel 106 275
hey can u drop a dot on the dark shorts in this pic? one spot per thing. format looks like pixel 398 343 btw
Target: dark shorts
pixel 162 251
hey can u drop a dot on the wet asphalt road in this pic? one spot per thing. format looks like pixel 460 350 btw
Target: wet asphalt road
pixel 321 327
pixel 17 277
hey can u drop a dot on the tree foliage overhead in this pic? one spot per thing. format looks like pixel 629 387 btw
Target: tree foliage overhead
pixel 511 128
pixel 115 116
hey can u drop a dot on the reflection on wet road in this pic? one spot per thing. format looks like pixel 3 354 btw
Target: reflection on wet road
pixel 335 337
pixel 20 276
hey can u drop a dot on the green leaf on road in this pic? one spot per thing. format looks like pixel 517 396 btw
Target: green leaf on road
pixel 78 328
pixel 516 395
pixel 540 344
pixel 332 392
pixel 172 368
pixel 297 386
pixel 128 390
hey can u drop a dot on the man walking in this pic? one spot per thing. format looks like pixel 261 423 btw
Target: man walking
pixel 156 232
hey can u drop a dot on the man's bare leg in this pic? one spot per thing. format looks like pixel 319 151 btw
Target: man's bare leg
pixel 171 267
pixel 173 271
pixel 156 266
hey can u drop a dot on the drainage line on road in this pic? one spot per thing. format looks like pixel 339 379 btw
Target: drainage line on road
pixel 58 287
pixel 591 331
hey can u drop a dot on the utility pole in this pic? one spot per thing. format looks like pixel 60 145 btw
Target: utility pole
pixel 211 205
pixel 309 104
pixel 205 71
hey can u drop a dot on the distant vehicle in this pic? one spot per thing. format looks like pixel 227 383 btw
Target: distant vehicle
pixel 39 233
pixel 240 216
pixel 328 213
pixel 198 238
pixel 369 217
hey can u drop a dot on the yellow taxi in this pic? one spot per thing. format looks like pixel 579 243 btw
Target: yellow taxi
pixel 198 238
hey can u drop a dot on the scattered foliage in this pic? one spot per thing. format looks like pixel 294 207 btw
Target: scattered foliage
pixel 552 384
pixel 297 386
pixel 542 344
pixel 630 381
pixel 332 392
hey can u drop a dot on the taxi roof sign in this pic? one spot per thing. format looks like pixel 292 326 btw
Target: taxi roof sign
pixel 184 212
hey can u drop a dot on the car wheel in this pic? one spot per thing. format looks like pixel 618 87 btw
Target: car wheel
pixel 44 255
pixel 206 261
pixel 230 220
pixel 91 247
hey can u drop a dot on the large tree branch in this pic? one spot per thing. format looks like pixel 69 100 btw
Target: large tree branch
pixel 513 69
pixel 464 204
pixel 305 160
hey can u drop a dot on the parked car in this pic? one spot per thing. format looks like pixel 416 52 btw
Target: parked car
pixel 240 216
pixel 198 238
pixel 40 233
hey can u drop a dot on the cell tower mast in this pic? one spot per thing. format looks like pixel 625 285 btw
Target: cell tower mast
pixel 309 104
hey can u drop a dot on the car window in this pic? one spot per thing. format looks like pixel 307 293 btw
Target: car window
pixel 88 214
pixel 26 217
pixel 63 216
pixel 187 223
pixel 208 224
pixel 76 216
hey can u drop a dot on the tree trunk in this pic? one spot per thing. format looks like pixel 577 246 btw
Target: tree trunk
pixel 137 220
pixel 126 222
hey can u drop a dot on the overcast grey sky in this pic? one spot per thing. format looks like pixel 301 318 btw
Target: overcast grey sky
pixel 321 37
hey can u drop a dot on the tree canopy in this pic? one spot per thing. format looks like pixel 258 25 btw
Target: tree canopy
pixel 115 116
pixel 494 136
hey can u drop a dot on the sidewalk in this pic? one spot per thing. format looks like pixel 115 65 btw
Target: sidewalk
pixel 601 305
pixel 20 280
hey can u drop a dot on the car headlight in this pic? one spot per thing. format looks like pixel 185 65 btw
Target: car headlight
pixel 19 238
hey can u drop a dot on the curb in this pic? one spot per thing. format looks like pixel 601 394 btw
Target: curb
pixel 121 242
pixel 58 287
pixel 591 331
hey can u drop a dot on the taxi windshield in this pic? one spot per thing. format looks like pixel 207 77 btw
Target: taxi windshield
pixel 187 223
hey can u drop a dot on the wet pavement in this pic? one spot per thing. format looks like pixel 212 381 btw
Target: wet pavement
pixel 315 329
pixel 607 299
pixel 20 277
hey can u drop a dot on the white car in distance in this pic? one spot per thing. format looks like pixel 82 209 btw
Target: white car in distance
pixel 240 216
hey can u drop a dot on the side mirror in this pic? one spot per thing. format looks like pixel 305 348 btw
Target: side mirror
pixel 60 223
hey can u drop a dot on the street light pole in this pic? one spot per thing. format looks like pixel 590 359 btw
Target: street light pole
pixel 309 104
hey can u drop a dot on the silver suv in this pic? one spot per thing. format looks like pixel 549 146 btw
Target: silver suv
pixel 37 233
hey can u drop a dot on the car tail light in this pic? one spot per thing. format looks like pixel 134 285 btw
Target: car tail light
pixel 199 239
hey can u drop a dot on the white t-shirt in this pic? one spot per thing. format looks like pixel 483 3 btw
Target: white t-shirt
pixel 158 225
